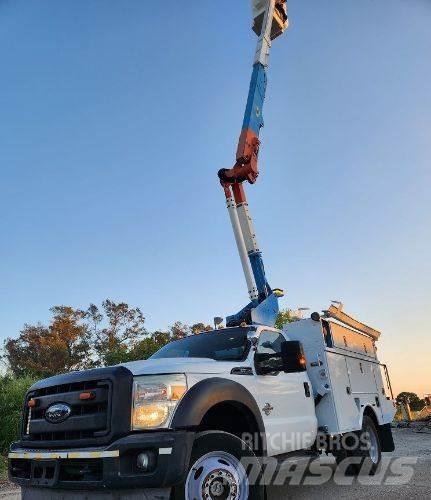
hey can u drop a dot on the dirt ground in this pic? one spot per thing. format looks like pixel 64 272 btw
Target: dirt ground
pixel 412 457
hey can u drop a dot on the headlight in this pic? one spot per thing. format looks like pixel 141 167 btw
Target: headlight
pixel 155 398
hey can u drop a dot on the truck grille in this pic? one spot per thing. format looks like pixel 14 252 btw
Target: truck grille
pixel 88 418
pixel 96 421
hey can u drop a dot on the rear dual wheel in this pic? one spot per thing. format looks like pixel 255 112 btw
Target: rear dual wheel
pixel 366 452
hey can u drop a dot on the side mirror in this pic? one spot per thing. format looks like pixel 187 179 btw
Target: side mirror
pixel 293 356
pixel 290 359
pixel 266 363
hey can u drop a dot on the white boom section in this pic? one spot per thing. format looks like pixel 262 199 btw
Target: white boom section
pixel 264 41
pixel 247 227
pixel 242 250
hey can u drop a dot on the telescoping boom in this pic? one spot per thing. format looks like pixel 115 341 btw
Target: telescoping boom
pixel 270 21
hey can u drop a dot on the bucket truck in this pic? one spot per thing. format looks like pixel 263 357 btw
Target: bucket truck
pixel 199 418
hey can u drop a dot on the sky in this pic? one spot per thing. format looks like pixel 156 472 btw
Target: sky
pixel 116 117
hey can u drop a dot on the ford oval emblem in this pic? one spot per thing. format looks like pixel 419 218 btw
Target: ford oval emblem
pixel 57 413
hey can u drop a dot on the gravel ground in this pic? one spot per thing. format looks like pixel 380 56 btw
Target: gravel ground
pixel 410 446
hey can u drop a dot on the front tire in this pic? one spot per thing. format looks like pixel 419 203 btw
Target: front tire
pixel 215 470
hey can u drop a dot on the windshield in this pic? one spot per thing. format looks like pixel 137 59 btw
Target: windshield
pixel 220 345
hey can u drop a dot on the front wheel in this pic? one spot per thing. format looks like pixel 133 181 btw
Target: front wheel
pixel 216 473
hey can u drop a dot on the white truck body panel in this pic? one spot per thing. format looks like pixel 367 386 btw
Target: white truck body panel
pixel 292 424
pixel 345 414
pixel 345 374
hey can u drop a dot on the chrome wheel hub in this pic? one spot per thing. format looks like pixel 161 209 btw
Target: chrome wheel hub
pixel 217 476
pixel 220 484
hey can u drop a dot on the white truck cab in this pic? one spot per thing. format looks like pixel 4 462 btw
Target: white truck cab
pixel 284 400
pixel 184 419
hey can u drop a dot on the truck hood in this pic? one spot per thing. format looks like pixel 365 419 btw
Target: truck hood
pixel 180 365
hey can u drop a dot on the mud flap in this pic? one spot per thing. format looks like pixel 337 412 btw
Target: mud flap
pixel 386 438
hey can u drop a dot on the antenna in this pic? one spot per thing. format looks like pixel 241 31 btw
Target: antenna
pixel 338 303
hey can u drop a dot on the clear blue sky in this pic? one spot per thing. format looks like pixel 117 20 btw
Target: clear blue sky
pixel 117 116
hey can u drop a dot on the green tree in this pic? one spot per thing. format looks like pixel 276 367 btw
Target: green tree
pixel 416 404
pixel 156 340
pixel 145 348
pixel 161 338
pixel 115 329
pixel 200 328
pixel 77 339
pixel 179 330
pixel 11 400
pixel 284 316
pixel 42 351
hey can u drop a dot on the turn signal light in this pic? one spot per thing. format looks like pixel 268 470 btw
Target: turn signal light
pixel 85 396
pixel 32 403
pixel 177 392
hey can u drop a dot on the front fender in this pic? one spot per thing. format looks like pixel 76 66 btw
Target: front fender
pixel 209 392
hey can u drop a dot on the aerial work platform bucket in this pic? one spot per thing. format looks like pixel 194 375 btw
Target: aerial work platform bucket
pixel 279 21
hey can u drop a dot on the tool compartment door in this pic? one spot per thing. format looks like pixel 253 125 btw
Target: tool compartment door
pixel 346 408
pixel 361 375
pixel 385 393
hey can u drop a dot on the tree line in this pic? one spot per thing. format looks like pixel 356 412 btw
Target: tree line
pixel 78 339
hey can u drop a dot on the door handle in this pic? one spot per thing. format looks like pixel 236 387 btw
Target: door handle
pixel 318 362
pixel 307 389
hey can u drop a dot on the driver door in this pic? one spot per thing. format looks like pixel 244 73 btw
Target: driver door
pixel 286 402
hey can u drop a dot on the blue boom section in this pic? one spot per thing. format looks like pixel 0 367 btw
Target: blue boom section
pixel 253 118
pixel 263 288
pixel 263 313
pixel 264 310
pixel 253 121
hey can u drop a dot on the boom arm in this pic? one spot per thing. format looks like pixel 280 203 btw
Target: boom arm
pixel 270 20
